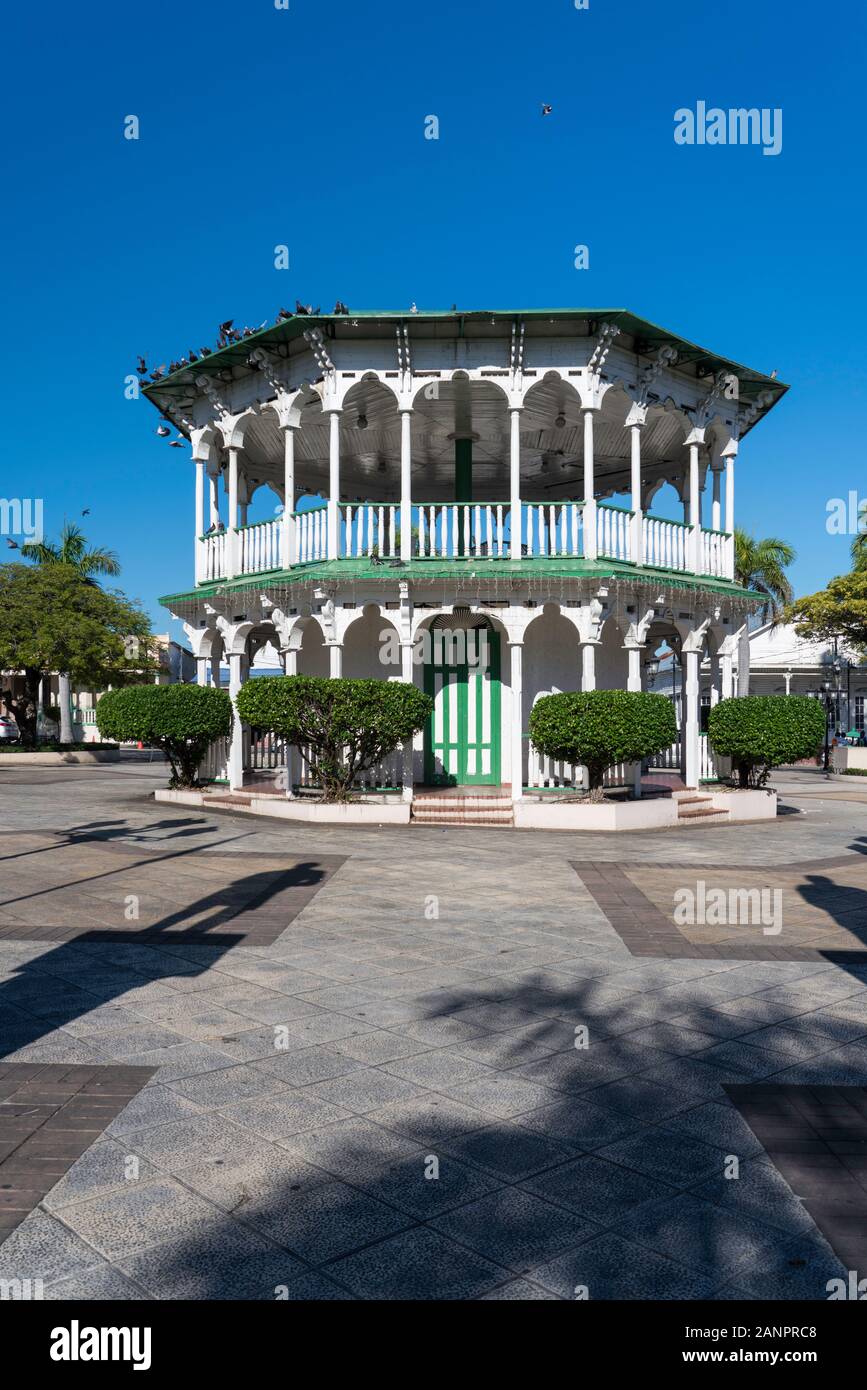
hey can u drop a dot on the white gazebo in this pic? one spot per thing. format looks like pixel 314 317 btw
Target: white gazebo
pixel 471 501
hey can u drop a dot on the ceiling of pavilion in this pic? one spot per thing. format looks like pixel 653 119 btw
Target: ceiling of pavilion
pixel 551 453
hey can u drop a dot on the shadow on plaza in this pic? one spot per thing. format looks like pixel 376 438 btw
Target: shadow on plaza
pixel 606 1172
pixel 609 1176
pixel 98 967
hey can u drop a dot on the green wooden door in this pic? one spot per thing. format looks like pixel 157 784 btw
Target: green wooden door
pixel 462 739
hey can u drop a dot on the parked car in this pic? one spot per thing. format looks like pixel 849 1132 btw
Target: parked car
pixel 9 731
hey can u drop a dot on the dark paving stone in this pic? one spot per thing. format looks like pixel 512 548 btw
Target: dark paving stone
pixel 50 1113
pixel 609 1267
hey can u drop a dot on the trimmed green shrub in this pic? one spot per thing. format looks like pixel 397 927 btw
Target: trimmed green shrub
pixel 182 720
pixel 759 732
pixel 599 728
pixel 342 726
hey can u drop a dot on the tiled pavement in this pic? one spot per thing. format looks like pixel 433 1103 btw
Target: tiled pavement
pixel 390 1099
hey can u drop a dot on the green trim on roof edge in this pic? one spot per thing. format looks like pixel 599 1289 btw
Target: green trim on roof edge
pixel 650 334
pixel 332 570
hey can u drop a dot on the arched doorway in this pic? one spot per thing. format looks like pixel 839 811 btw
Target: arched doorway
pixel 462 676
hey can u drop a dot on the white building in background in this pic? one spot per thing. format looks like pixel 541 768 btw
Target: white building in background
pixel 176 665
pixel 365 480
pixel 782 663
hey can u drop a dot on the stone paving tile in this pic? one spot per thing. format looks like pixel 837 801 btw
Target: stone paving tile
pixel 611 1267
pixel 470 1026
pixel 120 1223
pixel 420 1264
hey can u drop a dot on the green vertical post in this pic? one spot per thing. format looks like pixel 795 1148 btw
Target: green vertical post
pixel 463 480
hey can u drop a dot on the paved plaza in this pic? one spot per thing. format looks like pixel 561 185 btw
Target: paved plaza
pixel 246 1060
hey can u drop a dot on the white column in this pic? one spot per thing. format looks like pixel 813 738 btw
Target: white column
pixel 199 526
pixel 715 680
pixel 730 514
pixel 726 675
pixel 730 494
pixel 691 719
pixel 290 668
pixel 515 524
pixel 214 480
pixel 636 549
pixel 694 515
pixel 333 484
pixel 216 680
pixel 406 486
pixel 335 659
pixel 201 670
pixel 715 508
pixel 407 674
pixel 788 676
pixel 236 747
pixel 633 682
pixel 289 542
pixel 588 665
pixel 589 489
pixel 517 748
pixel 232 537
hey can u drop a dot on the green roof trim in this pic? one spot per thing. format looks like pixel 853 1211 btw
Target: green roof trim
pixel 542 568
pixel 649 336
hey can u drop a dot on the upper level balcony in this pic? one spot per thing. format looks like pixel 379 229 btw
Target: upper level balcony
pixel 557 436
pixel 477 532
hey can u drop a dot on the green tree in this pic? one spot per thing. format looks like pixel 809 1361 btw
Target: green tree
pixel 840 611
pixel 761 565
pixel 182 720
pixel 759 732
pixel 342 727
pixel 598 728
pixel 71 549
pixel 52 619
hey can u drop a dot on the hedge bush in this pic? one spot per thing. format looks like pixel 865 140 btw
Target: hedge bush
pixel 182 720
pixel 759 732
pixel 342 726
pixel 598 728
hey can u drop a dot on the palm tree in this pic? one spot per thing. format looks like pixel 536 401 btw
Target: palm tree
pixel 859 551
pixel 72 549
pixel 761 565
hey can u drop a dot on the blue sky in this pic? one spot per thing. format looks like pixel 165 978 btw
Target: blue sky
pixel 262 126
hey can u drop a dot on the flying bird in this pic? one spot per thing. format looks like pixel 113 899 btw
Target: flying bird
pixel 546 109
pixel 177 443
pixel 163 430
pixel 13 545
pixel 86 511
pixel 142 366
pixel 413 308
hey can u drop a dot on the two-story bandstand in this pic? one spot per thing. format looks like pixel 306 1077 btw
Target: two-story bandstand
pixel 500 470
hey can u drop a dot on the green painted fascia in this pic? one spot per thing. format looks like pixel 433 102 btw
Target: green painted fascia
pixel 541 568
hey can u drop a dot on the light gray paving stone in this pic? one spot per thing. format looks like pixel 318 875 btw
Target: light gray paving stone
pixel 144 1213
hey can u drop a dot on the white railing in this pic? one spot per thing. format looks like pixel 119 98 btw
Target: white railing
pixel 311 534
pixel 465 530
pixel 462 530
pixel 369 528
pixel 387 774
pixel 259 547
pixel 613 532
pixel 544 773
pixel 212 557
pixel 264 751
pixel 552 529
pixel 214 766
pixel 666 544
pixel 667 758
pixel 714 554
